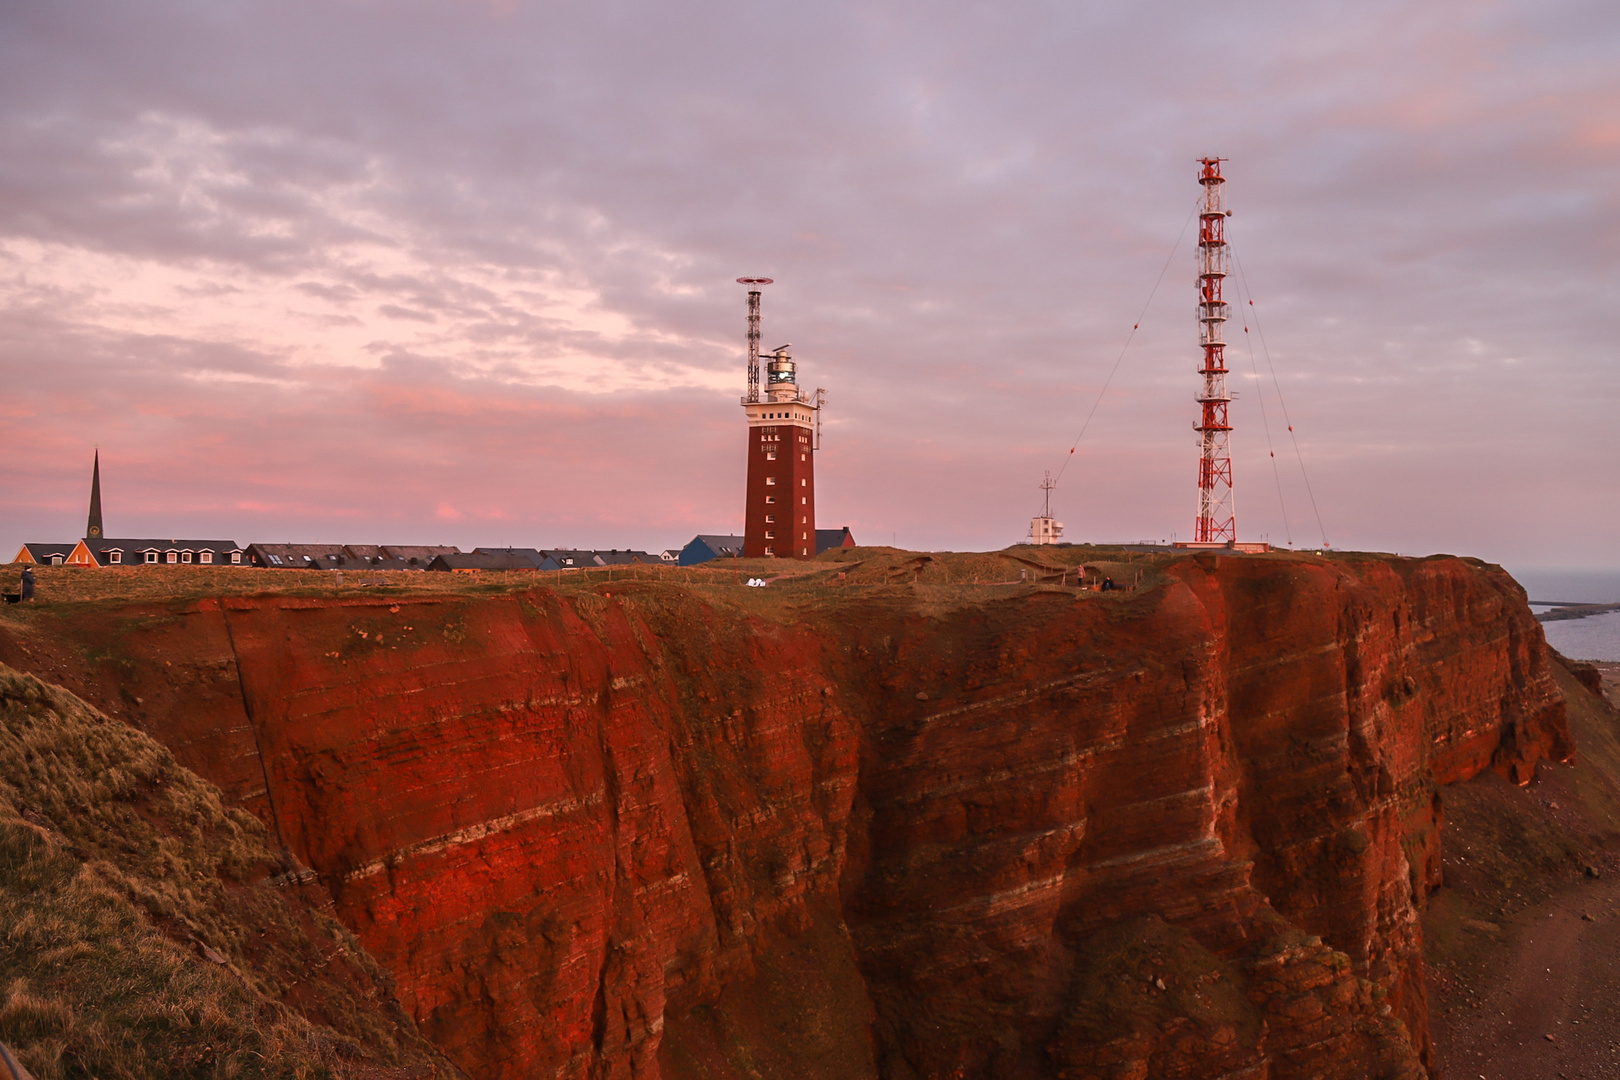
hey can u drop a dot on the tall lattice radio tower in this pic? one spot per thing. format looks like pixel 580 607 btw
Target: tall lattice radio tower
pixel 1217 518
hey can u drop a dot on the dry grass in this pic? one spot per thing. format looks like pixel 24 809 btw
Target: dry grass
pixel 141 930
pixel 930 583
pixel 839 568
pixel 848 568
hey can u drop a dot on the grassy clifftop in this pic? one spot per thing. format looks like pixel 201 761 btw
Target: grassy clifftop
pixel 146 930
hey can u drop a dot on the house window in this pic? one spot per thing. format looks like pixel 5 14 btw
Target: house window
pixel 185 556
pixel 804 481
pixel 151 556
pixel 172 557
pixel 770 455
pixel 236 558
pixel 769 499
pixel 769 518
pixel 115 556
pixel 56 560
pixel 770 480
pixel 206 557
pixel 769 535
pixel 770 551
pixel 804 500
pixel 276 559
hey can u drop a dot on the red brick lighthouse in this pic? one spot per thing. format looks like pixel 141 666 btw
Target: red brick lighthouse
pixel 782 423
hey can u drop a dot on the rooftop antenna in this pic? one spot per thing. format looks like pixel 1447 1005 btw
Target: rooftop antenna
pixel 821 401
pixel 753 284
pixel 1044 529
pixel 1217 521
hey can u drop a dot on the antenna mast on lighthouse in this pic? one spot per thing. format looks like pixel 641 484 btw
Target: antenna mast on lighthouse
pixel 1217 520
pixel 753 284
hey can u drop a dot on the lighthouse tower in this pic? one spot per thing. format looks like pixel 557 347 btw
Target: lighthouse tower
pixel 780 520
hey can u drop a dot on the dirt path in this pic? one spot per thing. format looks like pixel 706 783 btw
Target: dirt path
pixel 1562 980
pixel 1525 966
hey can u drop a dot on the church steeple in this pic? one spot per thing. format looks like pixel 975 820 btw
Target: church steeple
pixel 92 531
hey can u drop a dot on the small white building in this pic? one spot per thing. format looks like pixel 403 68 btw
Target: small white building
pixel 1044 529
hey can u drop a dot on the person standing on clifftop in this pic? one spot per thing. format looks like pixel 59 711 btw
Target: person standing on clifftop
pixel 27 586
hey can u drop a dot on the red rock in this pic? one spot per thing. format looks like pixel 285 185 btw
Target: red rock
pixel 645 836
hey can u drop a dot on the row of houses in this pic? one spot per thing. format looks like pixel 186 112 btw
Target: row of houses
pixel 99 551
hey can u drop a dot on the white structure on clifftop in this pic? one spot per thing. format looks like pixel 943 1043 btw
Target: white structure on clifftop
pixel 1044 528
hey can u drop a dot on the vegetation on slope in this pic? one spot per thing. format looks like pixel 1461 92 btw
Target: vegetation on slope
pixel 146 930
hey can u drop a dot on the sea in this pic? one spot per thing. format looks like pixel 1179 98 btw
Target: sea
pixel 1596 637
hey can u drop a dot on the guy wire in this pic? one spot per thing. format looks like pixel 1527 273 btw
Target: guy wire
pixel 1265 420
pixel 1128 339
pixel 1277 384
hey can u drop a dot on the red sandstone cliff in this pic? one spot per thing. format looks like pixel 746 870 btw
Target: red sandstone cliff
pixel 1179 832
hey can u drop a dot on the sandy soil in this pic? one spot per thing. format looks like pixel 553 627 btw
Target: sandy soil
pixel 1556 1010
pixel 1524 940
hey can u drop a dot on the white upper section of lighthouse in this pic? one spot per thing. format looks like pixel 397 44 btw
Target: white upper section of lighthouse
pixel 783 403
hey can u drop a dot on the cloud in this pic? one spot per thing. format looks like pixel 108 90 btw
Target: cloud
pixel 327 269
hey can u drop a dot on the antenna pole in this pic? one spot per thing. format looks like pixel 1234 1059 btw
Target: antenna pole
pixel 753 284
pixel 1045 529
pixel 1217 520
pixel 821 401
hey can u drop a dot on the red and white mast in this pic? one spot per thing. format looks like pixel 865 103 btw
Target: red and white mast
pixel 1217 520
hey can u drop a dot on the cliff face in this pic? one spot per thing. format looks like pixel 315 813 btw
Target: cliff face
pixel 1184 831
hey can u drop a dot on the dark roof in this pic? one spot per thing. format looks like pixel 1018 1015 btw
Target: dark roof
pixel 41 553
pixel 424 552
pixel 100 548
pixel 474 560
pixel 569 558
pixel 382 563
pixel 626 557
pixel 298 556
pixel 123 544
pixel 347 556
pixel 833 538
pixel 706 546
pixel 534 557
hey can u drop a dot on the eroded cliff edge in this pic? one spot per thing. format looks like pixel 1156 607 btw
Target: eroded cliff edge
pixel 645 829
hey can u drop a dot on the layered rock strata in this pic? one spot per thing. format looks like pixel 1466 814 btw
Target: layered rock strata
pixel 1179 831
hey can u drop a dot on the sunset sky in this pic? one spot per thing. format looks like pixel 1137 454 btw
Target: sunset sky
pixel 463 272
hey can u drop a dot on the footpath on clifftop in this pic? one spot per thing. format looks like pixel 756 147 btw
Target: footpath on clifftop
pixel 895 815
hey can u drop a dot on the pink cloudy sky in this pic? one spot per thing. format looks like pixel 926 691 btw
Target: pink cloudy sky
pixel 463 271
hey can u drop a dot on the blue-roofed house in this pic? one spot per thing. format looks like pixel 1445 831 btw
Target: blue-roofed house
pixel 707 547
